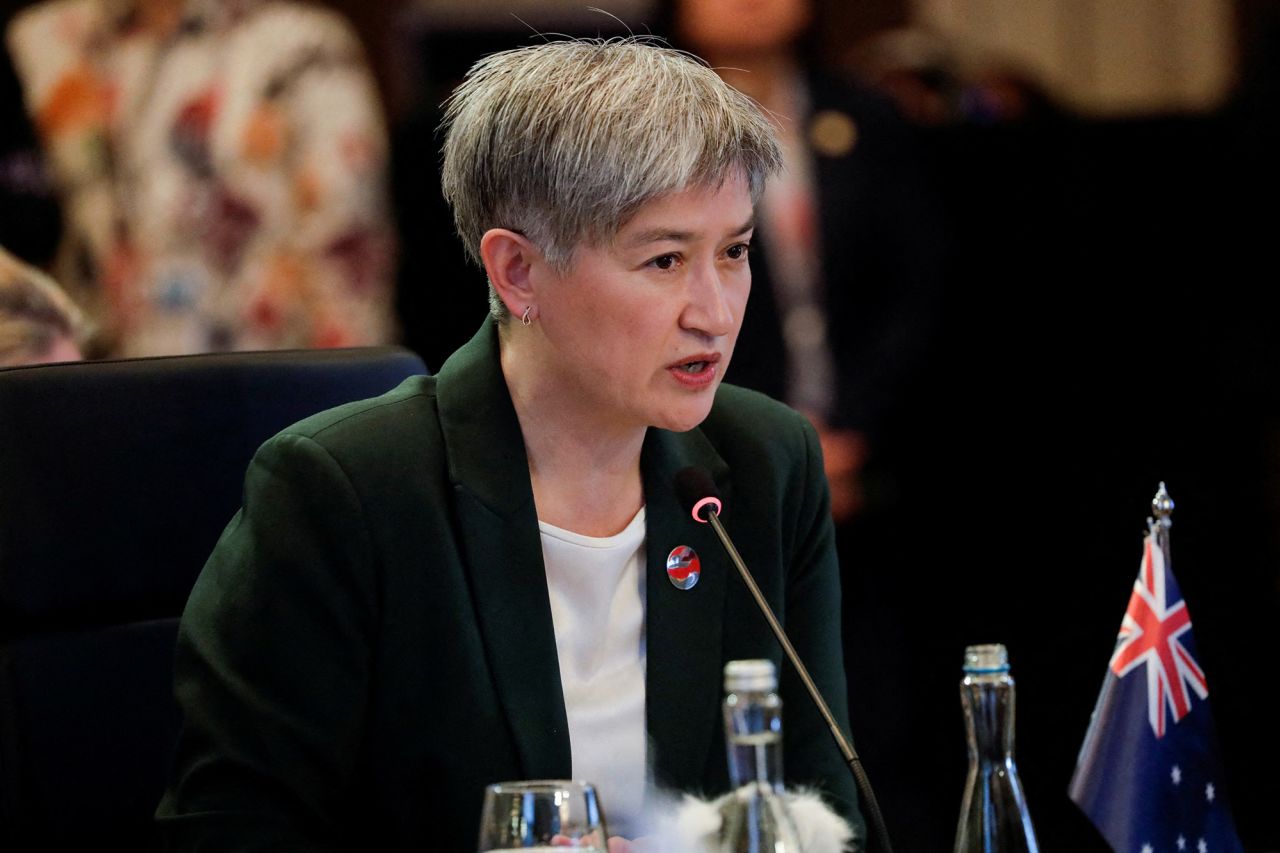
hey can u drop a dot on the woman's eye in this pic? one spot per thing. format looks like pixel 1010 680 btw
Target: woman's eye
pixel 665 262
pixel 738 251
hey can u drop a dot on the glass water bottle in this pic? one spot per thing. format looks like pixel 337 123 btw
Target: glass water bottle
pixel 755 816
pixel 993 815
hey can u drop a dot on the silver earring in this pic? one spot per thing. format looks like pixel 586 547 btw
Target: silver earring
pixel 525 319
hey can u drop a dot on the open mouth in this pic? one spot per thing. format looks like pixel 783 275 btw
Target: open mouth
pixel 698 372
pixel 696 363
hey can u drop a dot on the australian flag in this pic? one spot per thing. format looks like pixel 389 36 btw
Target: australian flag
pixel 1148 775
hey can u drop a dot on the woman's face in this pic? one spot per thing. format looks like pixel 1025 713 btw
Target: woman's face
pixel 720 26
pixel 640 330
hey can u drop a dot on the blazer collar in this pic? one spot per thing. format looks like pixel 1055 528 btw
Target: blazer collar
pixel 489 472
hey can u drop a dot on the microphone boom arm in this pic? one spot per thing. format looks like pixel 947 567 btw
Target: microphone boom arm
pixel 846 749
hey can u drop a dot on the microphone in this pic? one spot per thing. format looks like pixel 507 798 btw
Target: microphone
pixel 698 494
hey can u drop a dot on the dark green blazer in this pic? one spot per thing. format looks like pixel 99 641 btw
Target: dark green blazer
pixel 371 642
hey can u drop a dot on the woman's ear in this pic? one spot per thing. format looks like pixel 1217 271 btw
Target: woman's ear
pixel 508 259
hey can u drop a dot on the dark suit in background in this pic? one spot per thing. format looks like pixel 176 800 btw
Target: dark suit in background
pixel 882 258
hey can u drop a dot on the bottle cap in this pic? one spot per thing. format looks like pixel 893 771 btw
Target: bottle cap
pixel 992 657
pixel 744 675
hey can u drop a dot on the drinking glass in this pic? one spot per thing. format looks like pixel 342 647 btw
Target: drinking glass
pixel 549 814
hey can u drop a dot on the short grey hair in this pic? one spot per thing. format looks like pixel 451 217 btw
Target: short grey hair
pixel 565 141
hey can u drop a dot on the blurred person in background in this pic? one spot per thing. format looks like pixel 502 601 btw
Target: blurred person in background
pixel 221 166
pixel 849 273
pixel 39 324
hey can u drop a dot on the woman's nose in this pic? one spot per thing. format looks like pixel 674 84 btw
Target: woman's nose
pixel 709 309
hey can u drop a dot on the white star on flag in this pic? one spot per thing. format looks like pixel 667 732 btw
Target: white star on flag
pixel 1208 792
pixel 1177 775
pixel 1146 848
pixel 1202 847
pixel 1182 843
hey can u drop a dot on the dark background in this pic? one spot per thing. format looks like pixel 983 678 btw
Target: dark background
pixel 1108 323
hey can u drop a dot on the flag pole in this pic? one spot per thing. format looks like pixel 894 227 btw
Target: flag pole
pixel 1161 521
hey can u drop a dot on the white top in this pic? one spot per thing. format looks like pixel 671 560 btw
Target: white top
pixel 597 605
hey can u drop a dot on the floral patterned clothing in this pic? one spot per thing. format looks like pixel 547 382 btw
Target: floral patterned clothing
pixel 223 185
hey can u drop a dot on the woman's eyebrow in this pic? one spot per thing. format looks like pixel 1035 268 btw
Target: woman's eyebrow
pixel 660 234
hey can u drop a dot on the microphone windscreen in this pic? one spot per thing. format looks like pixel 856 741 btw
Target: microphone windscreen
pixel 692 485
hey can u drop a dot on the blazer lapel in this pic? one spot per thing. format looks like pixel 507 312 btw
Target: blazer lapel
pixel 503 552
pixel 683 627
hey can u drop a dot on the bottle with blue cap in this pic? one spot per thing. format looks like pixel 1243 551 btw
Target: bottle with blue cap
pixel 993 814
pixel 755 817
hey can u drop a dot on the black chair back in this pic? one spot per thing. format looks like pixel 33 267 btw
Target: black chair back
pixel 116 479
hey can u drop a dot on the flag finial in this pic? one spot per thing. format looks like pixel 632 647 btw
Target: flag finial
pixel 1162 507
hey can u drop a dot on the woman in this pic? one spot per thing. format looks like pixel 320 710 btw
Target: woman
pixel 463 581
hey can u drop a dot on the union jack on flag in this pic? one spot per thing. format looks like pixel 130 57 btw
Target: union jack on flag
pixel 1150 634
pixel 1148 775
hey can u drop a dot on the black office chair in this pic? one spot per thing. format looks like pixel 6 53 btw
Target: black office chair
pixel 116 479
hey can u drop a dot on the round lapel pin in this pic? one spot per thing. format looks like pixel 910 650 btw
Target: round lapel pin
pixel 683 567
